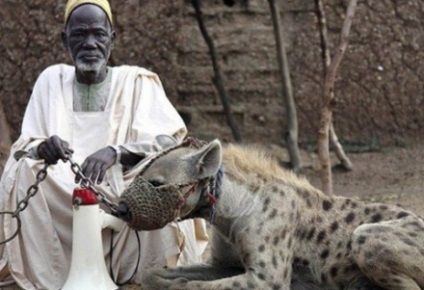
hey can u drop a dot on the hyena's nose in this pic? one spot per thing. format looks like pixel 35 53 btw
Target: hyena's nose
pixel 124 212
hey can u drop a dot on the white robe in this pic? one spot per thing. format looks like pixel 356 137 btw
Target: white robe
pixel 137 110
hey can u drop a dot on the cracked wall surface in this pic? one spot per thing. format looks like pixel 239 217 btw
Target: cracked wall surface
pixel 379 86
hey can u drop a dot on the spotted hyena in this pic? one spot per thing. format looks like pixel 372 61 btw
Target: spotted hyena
pixel 273 230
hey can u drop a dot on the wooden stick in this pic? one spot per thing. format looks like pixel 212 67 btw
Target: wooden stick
pixel 334 140
pixel 291 136
pixel 329 102
pixel 217 78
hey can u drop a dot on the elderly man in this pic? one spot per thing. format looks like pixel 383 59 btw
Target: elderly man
pixel 109 119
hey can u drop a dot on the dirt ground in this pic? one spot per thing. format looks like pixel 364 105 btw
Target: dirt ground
pixel 391 175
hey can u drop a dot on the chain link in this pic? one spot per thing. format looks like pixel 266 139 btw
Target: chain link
pixel 33 189
pixel 87 183
pixel 22 205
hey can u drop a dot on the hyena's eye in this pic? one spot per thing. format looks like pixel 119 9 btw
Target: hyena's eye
pixel 156 183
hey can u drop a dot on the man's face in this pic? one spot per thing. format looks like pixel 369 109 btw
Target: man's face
pixel 88 36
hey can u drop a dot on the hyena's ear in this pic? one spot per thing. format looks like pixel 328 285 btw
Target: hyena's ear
pixel 207 160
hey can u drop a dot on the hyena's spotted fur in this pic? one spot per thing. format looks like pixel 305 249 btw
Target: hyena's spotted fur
pixel 273 230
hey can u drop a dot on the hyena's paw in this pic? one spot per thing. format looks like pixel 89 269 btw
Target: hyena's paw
pixel 156 279
pixel 179 284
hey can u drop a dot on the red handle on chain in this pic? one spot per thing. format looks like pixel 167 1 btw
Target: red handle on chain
pixel 84 196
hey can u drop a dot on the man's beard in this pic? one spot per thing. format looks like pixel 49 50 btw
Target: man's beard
pixel 93 67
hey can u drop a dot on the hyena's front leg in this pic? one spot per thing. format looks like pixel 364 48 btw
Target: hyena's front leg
pixel 264 277
pixel 169 278
pixel 247 281
pixel 260 275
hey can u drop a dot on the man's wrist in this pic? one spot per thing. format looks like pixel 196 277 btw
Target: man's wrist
pixel 118 152
pixel 33 152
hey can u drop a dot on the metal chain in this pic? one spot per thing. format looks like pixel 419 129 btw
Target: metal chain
pixel 33 189
pixel 22 205
pixel 87 183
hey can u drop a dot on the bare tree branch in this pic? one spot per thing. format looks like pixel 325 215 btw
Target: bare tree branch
pixel 322 24
pixel 329 102
pixel 217 78
pixel 292 133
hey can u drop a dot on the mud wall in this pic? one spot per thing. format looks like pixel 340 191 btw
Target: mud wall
pixel 147 34
pixel 379 86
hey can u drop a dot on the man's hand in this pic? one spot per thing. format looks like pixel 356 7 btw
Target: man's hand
pixel 95 166
pixel 54 149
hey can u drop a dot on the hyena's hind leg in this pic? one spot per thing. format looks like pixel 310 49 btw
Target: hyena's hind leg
pixel 391 254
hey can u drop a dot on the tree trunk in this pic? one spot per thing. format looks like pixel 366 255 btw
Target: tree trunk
pixel 5 139
pixel 334 141
pixel 217 78
pixel 329 102
pixel 292 133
